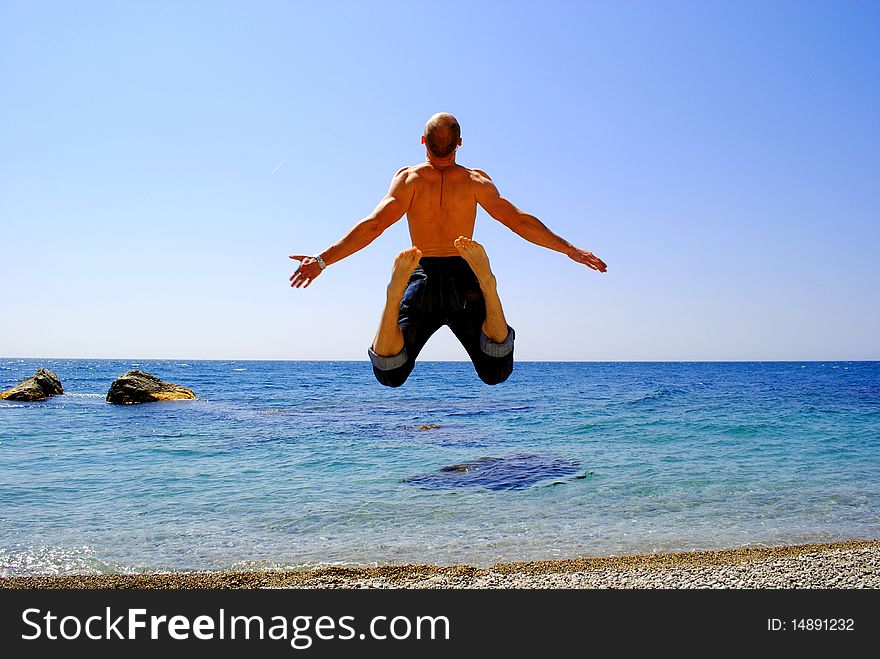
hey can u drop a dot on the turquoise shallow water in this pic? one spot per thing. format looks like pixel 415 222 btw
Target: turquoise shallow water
pixel 285 464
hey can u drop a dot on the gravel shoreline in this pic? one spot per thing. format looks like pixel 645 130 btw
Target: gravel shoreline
pixel 851 564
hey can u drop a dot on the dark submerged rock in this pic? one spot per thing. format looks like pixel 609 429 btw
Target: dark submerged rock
pixel 507 473
pixel 40 386
pixel 140 387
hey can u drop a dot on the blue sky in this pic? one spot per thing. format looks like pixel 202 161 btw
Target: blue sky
pixel 723 158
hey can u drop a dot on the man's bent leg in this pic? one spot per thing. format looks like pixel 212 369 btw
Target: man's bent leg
pixel 491 347
pixel 404 328
pixel 494 326
pixel 389 339
pixel 492 361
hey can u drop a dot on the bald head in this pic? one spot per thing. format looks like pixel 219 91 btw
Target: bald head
pixel 442 133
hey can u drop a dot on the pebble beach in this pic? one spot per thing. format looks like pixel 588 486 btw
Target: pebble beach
pixel 851 564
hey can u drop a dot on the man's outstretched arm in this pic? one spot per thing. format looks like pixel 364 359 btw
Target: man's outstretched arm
pixel 529 226
pixel 392 207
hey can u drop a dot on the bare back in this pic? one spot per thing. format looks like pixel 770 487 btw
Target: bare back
pixel 443 206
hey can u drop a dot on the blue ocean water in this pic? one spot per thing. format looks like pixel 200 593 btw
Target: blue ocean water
pixel 297 464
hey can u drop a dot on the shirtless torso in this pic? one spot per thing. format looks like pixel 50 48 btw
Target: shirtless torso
pixel 441 204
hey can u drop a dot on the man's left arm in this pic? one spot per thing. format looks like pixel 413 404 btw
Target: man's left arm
pixel 530 227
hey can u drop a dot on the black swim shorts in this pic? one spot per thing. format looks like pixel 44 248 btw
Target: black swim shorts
pixel 443 290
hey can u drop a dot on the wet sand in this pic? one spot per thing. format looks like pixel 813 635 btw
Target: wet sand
pixel 851 564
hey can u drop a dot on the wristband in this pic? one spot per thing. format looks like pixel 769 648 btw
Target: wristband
pixel 320 261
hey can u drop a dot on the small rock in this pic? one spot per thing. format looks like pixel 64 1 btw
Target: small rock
pixel 140 387
pixel 39 386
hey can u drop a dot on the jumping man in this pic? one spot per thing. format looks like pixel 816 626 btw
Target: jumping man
pixel 446 280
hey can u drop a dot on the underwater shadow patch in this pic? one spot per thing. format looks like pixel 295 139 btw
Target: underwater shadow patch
pixel 508 473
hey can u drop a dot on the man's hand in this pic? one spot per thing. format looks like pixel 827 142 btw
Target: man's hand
pixel 306 272
pixel 587 258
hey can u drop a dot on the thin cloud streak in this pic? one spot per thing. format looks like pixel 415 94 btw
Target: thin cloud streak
pixel 279 165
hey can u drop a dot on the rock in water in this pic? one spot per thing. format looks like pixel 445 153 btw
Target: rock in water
pixel 512 472
pixel 39 386
pixel 140 387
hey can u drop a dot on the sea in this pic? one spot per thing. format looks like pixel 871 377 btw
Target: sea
pixel 295 464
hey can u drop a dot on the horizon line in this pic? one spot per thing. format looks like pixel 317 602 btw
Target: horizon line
pixel 454 361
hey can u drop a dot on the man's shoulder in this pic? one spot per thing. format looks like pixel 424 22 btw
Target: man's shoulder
pixel 418 168
pixel 405 176
pixel 479 174
pixel 408 173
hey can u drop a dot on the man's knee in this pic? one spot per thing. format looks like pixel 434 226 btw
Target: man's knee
pixel 393 378
pixel 495 371
pixel 495 363
pixel 391 371
pixel 495 378
pixel 498 350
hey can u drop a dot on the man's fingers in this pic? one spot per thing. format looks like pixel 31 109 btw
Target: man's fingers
pixel 591 261
pixel 300 280
pixel 302 277
pixel 295 275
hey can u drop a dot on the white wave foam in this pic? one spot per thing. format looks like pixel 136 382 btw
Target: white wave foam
pixel 54 561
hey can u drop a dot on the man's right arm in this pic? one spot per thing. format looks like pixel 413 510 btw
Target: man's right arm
pixel 388 211
pixel 392 207
pixel 528 226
